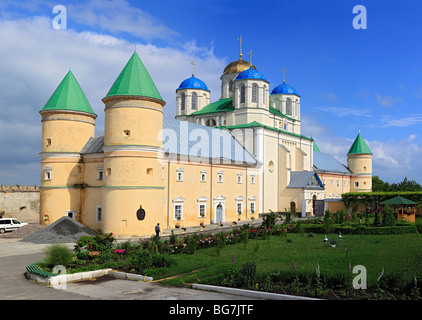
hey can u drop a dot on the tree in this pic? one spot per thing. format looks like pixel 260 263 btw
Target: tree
pixel 379 185
pixel 405 185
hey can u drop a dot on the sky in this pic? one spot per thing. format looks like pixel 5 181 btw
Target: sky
pixel 350 80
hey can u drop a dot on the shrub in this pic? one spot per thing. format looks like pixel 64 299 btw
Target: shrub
pixel 269 219
pixel 99 242
pixel 388 217
pixel 140 260
pixel 58 254
pixel 160 261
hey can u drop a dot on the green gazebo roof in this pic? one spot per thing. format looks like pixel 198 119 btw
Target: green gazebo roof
pixel 134 80
pixel 359 146
pixel 399 200
pixel 68 96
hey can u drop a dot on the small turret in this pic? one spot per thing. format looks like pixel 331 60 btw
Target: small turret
pixel 359 161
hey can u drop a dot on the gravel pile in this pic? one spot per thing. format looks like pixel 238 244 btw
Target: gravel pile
pixel 22 231
pixel 64 230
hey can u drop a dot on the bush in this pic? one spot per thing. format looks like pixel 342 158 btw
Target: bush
pixel 58 254
pixel 140 260
pixel 99 242
pixel 388 217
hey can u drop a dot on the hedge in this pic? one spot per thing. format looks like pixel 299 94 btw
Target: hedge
pixel 368 198
pixel 362 229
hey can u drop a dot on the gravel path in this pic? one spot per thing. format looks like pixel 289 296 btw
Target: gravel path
pixel 22 231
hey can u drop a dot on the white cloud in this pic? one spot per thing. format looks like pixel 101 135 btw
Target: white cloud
pixel 346 111
pixel 35 58
pixel 118 16
pixel 387 101
pixel 406 121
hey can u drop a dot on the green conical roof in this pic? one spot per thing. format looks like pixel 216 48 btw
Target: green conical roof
pixel 316 147
pixel 359 146
pixel 68 96
pixel 134 80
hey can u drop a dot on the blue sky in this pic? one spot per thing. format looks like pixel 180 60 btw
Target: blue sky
pixel 349 80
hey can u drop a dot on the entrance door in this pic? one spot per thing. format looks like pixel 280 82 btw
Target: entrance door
pixel 219 213
pixel 293 206
pixel 318 208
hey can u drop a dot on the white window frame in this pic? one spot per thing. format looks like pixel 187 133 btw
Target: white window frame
pixel 239 202
pixel 220 176
pixel 70 213
pixel 47 173
pixel 357 184
pixel 239 178
pixel 203 176
pixel 179 201
pixel 179 174
pixel 202 201
pixel 98 214
pixel 252 204
pixel 252 179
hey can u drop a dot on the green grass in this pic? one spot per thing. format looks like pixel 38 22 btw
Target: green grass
pixel 396 254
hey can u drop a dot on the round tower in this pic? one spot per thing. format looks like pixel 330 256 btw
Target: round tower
pixel 133 194
pixel 359 161
pixel 68 123
pixel 192 95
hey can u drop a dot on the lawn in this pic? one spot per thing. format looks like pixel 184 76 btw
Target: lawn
pixel 399 255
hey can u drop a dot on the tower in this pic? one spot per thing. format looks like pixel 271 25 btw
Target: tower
pixel 68 122
pixel 359 161
pixel 192 95
pixel 132 153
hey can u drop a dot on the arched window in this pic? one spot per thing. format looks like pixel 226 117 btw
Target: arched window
pixel 242 94
pixel 231 85
pixel 254 92
pixel 182 101
pixel 264 97
pixel 289 106
pixel 211 123
pixel 194 101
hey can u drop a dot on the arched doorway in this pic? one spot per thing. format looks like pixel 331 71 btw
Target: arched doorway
pixel 292 206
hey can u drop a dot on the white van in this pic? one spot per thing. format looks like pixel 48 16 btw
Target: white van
pixel 10 224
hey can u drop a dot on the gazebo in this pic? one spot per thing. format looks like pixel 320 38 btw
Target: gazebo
pixel 406 215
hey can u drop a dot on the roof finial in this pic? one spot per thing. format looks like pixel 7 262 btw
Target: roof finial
pixel 284 74
pixel 240 41
pixel 193 68
pixel 250 54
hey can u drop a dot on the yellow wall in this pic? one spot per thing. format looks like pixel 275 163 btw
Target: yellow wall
pixel 68 131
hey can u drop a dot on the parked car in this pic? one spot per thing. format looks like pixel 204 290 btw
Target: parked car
pixel 10 224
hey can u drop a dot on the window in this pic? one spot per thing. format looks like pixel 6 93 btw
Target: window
pixel 98 214
pixel 239 177
pixel 220 176
pixel 47 173
pixel 231 85
pixel 100 173
pixel 204 176
pixel 254 92
pixel 239 207
pixel 48 142
pixel 182 101
pixel 271 166
pixel 252 179
pixel 70 214
pixel 357 184
pixel 252 207
pixel 338 183
pixel 126 133
pixel 178 210
pixel 179 173
pixel 289 106
pixel 108 171
pixel 242 94
pixel 150 171
pixel 202 210
pixel 264 95
pixel 331 182
pixel 194 101
pixel 211 123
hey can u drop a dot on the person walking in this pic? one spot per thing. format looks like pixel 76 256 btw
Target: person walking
pixel 157 230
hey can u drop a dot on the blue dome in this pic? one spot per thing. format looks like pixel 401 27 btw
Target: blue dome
pixel 193 83
pixel 285 89
pixel 250 74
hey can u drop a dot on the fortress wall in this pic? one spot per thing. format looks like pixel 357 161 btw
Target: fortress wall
pixel 21 202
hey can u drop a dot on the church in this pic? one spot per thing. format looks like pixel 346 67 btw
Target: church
pixel 218 162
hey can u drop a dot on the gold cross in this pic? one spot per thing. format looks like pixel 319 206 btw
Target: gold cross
pixel 240 41
pixel 250 54
pixel 193 67
pixel 284 75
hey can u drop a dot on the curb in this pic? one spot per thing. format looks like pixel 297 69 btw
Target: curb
pixel 250 293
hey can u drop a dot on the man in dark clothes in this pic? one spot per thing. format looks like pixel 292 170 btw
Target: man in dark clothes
pixel 157 230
